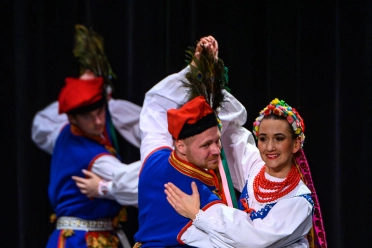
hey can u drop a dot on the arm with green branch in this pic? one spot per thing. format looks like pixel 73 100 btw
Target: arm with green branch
pixel 176 89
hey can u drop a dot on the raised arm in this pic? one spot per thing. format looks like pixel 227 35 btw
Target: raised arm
pixel 237 142
pixel 46 126
pixel 165 95
pixel 47 123
pixel 125 117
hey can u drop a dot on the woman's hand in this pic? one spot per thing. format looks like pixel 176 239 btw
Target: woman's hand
pixel 186 205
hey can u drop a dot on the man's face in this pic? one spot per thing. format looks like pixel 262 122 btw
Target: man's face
pixel 203 150
pixel 92 122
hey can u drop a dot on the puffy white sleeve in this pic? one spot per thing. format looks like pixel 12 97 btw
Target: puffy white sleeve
pixel 237 142
pixel 286 223
pixel 46 126
pixel 165 95
pixel 125 118
pixel 47 123
pixel 122 179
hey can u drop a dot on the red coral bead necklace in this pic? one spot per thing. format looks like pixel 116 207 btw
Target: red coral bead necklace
pixel 276 189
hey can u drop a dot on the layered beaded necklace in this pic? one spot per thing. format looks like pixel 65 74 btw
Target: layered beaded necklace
pixel 275 190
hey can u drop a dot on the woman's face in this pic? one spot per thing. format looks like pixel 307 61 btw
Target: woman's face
pixel 277 146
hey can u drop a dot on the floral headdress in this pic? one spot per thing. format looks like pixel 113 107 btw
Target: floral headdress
pixel 281 108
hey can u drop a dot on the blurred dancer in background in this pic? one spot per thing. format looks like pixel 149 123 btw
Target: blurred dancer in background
pixel 79 132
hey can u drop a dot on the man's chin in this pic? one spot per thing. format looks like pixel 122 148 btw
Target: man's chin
pixel 99 132
pixel 213 165
pixel 96 133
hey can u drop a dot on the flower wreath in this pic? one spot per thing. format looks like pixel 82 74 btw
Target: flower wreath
pixel 281 108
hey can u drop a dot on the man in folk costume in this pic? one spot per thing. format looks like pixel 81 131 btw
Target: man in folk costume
pixel 193 125
pixel 78 132
pixel 84 144
pixel 181 122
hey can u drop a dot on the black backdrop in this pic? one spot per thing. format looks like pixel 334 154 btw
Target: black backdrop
pixel 316 55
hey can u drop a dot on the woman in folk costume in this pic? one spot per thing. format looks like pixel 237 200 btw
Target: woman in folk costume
pixel 279 206
pixel 279 111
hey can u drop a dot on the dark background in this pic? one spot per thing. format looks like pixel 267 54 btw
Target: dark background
pixel 316 55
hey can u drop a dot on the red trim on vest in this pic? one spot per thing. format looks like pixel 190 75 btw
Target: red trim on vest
pixel 157 149
pixel 191 170
pixel 92 162
pixel 95 158
pixel 61 240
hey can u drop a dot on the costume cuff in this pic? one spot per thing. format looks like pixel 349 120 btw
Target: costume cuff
pixel 201 221
pixel 104 188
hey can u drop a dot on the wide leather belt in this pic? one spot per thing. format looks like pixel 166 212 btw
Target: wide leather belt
pixel 73 223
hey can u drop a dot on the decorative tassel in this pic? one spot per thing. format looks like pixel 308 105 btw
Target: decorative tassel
pixel 317 233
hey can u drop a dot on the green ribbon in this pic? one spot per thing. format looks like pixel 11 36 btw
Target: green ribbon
pixel 228 179
pixel 111 130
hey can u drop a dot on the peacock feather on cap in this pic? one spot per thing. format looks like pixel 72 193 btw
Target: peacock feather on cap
pixel 206 77
pixel 89 51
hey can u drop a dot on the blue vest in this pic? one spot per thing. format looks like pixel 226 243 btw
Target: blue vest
pixel 71 154
pixel 159 224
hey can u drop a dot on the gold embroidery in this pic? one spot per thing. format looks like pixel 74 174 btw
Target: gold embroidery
pixel 191 170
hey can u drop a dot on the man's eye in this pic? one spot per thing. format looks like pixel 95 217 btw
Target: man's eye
pixel 86 117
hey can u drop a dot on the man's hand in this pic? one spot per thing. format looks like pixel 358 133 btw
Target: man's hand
pixel 208 43
pixel 88 185
pixel 186 205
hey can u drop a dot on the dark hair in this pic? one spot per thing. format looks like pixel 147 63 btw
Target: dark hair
pixel 88 108
pixel 200 126
pixel 278 117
